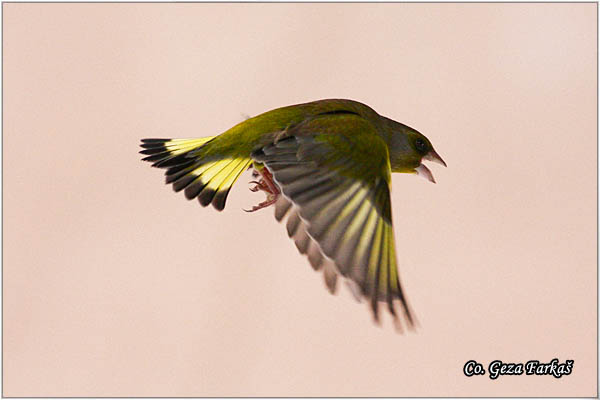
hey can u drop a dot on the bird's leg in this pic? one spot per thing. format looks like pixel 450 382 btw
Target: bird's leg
pixel 268 180
pixel 267 185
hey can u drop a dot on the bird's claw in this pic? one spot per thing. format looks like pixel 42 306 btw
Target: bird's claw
pixel 267 185
pixel 264 204
pixel 256 188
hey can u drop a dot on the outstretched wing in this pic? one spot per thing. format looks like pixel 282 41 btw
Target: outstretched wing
pixel 334 174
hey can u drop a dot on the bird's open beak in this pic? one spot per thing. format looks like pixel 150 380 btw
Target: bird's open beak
pixel 423 171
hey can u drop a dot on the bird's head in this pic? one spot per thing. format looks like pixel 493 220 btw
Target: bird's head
pixel 408 149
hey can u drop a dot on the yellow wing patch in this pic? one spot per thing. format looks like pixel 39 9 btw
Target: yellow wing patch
pixel 180 146
pixel 208 179
pixel 211 182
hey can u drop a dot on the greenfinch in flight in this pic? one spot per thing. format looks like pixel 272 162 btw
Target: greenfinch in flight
pixel 327 166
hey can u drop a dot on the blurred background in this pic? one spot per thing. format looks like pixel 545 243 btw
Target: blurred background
pixel 114 285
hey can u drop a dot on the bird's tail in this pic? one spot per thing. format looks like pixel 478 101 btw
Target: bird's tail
pixel 192 166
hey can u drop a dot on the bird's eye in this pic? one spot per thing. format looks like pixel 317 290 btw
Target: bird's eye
pixel 420 145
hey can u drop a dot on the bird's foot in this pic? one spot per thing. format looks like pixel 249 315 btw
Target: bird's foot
pixel 267 185
pixel 266 203
pixel 260 185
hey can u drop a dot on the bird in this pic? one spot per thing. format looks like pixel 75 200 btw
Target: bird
pixel 326 167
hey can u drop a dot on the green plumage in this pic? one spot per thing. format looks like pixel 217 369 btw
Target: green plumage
pixel 327 166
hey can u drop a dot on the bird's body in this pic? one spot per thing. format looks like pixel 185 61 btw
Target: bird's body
pixel 327 166
pixel 259 131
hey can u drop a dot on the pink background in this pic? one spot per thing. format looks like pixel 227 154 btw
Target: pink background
pixel 116 286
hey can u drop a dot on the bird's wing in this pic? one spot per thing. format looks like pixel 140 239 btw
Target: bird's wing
pixel 335 176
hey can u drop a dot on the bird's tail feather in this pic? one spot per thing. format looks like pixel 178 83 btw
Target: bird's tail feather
pixel 190 168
